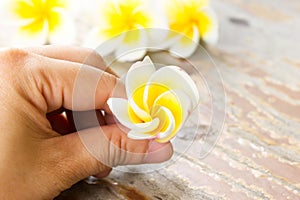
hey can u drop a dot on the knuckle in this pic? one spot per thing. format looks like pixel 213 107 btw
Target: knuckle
pixel 13 62
pixel 16 62
pixel 15 55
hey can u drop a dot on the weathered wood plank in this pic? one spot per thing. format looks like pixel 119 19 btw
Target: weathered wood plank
pixel 258 154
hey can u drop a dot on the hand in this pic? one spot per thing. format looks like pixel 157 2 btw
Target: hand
pixel 41 153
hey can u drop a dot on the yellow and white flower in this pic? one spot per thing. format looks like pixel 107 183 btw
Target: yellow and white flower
pixel 158 102
pixel 42 21
pixel 194 19
pixel 121 28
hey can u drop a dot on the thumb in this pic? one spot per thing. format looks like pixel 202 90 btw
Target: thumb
pixel 96 150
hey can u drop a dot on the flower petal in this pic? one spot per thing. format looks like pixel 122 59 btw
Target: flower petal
pixel 158 17
pixel 141 113
pixel 168 130
pixel 186 46
pixel 175 78
pixel 185 103
pixel 133 46
pixel 131 55
pixel 174 123
pixel 162 39
pixel 24 38
pixel 139 136
pixel 159 31
pixel 135 82
pixel 170 101
pixel 138 75
pixel 104 45
pixel 65 32
pixel 120 108
pixel 212 36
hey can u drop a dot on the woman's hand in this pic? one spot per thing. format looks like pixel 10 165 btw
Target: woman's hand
pixel 41 153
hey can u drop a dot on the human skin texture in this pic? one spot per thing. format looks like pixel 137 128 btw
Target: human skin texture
pixel 41 153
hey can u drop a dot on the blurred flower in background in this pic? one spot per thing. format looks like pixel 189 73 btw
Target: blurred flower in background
pixel 123 23
pixel 195 20
pixel 127 28
pixel 41 21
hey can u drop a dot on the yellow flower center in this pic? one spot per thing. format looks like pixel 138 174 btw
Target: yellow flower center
pixel 38 14
pixel 186 14
pixel 158 96
pixel 125 16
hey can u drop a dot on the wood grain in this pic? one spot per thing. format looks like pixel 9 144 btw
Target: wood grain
pixel 258 154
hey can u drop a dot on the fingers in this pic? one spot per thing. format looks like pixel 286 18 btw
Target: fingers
pixel 79 55
pixel 104 173
pixel 95 150
pixel 123 150
pixel 74 86
pixel 72 53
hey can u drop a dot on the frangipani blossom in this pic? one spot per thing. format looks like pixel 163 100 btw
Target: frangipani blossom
pixel 123 24
pixel 195 20
pixel 158 102
pixel 42 21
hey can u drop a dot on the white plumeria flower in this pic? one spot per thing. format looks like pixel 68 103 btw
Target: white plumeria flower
pixel 194 20
pixel 41 21
pixel 158 102
pixel 121 27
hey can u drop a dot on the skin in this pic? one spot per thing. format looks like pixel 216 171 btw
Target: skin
pixel 41 153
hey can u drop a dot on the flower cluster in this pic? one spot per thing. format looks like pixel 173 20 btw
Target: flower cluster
pixel 158 102
pixel 125 23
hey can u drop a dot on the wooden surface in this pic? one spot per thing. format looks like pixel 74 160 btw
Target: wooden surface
pixel 258 154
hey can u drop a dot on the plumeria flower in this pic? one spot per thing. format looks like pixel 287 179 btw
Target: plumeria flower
pixel 194 20
pixel 42 21
pixel 158 102
pixel 121 27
